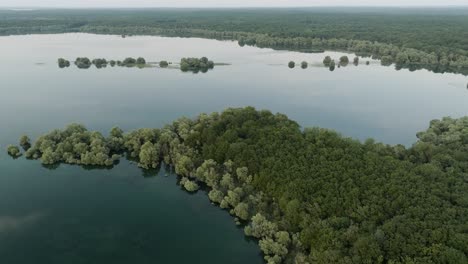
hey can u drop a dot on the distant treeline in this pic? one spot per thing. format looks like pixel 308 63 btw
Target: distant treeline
pixel 437 39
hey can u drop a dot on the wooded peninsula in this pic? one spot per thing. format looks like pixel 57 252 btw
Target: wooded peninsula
pixel 307 195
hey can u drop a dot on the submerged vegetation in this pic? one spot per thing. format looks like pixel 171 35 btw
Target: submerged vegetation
pixel 308 196
pixel 436 39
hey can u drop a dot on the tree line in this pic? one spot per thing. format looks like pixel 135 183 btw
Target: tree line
pixel 194 65
pixel 307 195
pixel 436 40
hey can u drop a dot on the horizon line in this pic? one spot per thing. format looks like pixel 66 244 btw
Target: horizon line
pixel 233 7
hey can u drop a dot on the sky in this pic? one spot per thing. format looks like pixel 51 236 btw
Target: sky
pixel 224 3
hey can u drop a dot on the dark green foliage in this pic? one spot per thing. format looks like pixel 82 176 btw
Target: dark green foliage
pixel 140 61
pixel 344 60
pixel 356 61
pixel 291 64
pixel 332 65
pixel 196 64
pixel 100 63
pixel 304 65
pixel 129 62
pixel 83 63
pixel 327 61
pixel 309 196
pixel 62 63
pixel 436 39
pixel 163 64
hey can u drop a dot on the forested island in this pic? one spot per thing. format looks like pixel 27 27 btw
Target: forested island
pixel 307 195
pixel 194 65
pixel 86 63
pixel 436 40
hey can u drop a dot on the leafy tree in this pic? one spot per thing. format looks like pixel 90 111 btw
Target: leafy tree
pixel 344 60
pixel 25 142
pixel 149 155
pixel 216 196
pixel 63 63
pixel 163 64
pixel 291 64
pixel 83 63
pixel 13 151
pixel 356 61
pixel 332 65
pixel 260 227
pixel 191 186
pixel 327 61
pixel 129 62
pixel 242 211
pixel 140 61
pixel 304 65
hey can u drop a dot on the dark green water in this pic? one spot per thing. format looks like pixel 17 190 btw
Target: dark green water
pixel 72 215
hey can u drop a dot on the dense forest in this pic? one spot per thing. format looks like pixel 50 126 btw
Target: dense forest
pixel 308 195
pixel 433 39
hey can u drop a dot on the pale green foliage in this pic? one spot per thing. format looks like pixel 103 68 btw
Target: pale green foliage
pixel 227 181
pixel 273 259
pixel 229 166
pixel 283 238
pixel 224 204
pixel 242 211
pixel 184 165
pixel 207 173
pixel 234 196
pixel 275 249
pixel 243 175
pixel 25 142
pixel 135 139
pixel 116 132
pixel 260 227
pixel 191 186
pixel 149 155
pixel 216 196
pixel 116 141
pixel 13 151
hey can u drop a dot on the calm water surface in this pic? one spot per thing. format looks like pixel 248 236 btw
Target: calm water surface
pixel 125 215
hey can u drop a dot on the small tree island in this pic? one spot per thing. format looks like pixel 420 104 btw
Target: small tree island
pixel 63 63
pixel 196 65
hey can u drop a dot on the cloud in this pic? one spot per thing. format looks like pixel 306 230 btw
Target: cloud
pixel 12 223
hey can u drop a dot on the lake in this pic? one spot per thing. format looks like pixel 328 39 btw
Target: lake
pixel 73 215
